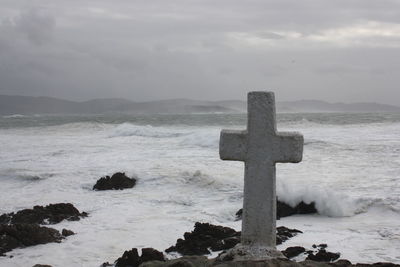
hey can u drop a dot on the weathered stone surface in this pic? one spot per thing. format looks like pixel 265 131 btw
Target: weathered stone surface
pixel 50 214
pixel 292 252
pixel 131 258
pixel 260 146
pixel 205 236
pixel 24 235
pixel 284 210
pixel 117 181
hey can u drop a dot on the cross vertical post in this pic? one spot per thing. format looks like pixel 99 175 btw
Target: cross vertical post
pixel 260 146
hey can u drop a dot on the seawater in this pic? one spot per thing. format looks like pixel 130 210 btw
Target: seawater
pixel 350 169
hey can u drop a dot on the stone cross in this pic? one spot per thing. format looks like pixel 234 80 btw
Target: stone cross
pixel 260 147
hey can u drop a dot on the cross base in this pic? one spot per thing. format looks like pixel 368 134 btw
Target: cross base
pixel 253 253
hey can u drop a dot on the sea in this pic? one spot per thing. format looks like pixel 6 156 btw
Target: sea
pixel 350 170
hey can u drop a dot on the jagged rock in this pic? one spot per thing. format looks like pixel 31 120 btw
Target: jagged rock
pixel 66 232
pixel 117 181
pixel 50 214
pixel 284 210
pixel 201 261
pixel 283 234
pixel 131 258
pixel 292 252
pixel 206 236
pixel 324 256
pixel 24 235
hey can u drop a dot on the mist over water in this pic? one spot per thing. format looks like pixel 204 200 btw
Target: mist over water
pixel 350 169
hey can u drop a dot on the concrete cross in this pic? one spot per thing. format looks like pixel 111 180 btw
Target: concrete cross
pixel 260 147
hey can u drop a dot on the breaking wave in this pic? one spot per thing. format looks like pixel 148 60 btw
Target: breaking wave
pixel 128 129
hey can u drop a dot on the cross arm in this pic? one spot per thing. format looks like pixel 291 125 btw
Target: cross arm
pixel 289 147
pixel 232 145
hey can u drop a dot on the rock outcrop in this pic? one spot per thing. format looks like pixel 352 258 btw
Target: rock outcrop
pixel 284 210
pixel 117 181
pixel 50 214
pixel 131 258
pixel 207 237
pixel 25 235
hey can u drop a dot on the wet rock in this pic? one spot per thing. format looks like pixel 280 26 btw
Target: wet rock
pixel 285 210
pixel 24 235
pixel 205 236
pixel 151 254
pixel 283 234
pixel 131 258
pixel 66 232
pixel 292 252
pixel 50 214
pixel 117 181
pixel 324 256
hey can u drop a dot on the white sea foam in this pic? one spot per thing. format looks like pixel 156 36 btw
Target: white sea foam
pixel 128 129
pixel 350 172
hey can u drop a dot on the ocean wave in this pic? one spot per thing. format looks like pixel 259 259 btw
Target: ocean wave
pixel 331 204
pixel 203 138
pixel 14 116
pixel 128 129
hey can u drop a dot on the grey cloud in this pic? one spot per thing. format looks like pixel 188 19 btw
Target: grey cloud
pixel 36 24
pixel 145 50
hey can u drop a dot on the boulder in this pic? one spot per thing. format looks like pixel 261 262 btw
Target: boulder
pixel 283 234
pixel 66 232
pixel 117 181
pixel 131 258
pixel 292 252
pixel 284 210
pixel 206 236
pixel 323 256
pixel 50 214
pixel 24 235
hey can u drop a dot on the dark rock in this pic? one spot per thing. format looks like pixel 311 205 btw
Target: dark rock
pixel 324 256
pixel 41 265
pixel 283 234
pixel 106 264
pixel 129 258
pixel 292 252
pixel 151 254
pixel 117 181
pixel 51 214
pixel 66 232
pixel 342 263
pixel 24 235
pixel 205 236
pixel 285 210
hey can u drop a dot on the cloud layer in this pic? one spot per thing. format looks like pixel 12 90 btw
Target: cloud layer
pixel 79 49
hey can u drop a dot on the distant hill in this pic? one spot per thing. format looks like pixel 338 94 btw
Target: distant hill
pixel 26 105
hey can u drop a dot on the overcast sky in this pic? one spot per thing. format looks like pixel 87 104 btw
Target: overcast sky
pixel 341 50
